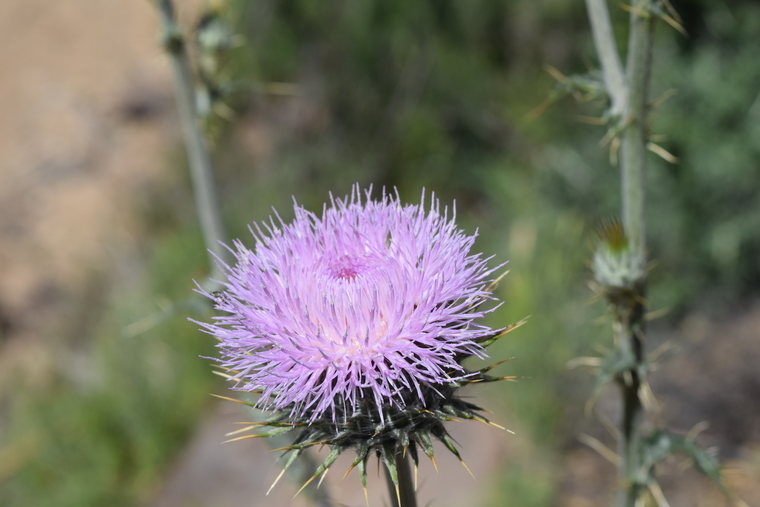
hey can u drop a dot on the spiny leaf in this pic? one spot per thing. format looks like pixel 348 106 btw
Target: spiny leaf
pixel 322 478
pixel 489 340
pixel 425 443
pixel 617 362
pixel 444 437
pixel 389 458
pixel 329 460
pixel 600 448
pixel 413 452
pixel 361 466
pixel 489 288
pixel 488 378
pixel 403 440
pixel 361 455
pixel 662 152
pixel 273 424
pixel 276 431
pixel 235 400
pixel 583 87
pixel 492 366
pixel 661 444
pixel 240 430
pixel 467 467
pixel 300 446
pixel 483 420
pixel 290 461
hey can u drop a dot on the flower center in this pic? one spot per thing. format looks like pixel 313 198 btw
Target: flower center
pixel 346 267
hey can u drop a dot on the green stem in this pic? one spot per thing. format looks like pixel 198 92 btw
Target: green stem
pixel 604 40
pixel 631 98
pixel 634 141
pixel 631 317
pixel 629 333
pixel 405 495
pixel 201 169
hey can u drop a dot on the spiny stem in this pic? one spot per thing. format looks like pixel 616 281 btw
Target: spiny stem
pixel 402 494
pixel 630 98
pixel 201 169
pixel 628 327
pixel 633 167
pixel 634 142
pixel 604 40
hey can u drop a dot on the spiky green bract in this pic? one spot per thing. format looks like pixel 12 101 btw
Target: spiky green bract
pixel 397 431
pixel 617 267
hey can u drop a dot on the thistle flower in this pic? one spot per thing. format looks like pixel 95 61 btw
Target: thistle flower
pixel 353 325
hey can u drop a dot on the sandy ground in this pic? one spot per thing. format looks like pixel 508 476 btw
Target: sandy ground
pixel 87 110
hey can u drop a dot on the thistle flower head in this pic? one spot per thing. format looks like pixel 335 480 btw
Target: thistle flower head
pixel 354 323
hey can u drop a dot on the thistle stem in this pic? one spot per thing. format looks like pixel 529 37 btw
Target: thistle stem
pixel 634 141
pixel 405 495
pixel 633 167
pixel 630 97
pixel 604 40
pixel 199 159
pixel 628 328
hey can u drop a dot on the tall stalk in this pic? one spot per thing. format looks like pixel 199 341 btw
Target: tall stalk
pixel 629 108
pixel 631 317
pixel 198 155
pixel 633 162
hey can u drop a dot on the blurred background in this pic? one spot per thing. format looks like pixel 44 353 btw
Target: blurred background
pixel 104 398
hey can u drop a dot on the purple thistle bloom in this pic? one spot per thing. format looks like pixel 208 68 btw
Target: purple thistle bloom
pixel 372 303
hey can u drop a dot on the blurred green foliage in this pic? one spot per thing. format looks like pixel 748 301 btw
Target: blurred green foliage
pixel 102 435
pixel 436 94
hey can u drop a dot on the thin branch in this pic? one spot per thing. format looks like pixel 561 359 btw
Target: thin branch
pixel 634 141
pixel 606 48
pixel 201 169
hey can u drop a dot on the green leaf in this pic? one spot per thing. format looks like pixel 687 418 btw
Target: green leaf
pixel 661 444
pixel 329 460
pixel 614 364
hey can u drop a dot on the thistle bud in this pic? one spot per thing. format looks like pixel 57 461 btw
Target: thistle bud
pixel 617 266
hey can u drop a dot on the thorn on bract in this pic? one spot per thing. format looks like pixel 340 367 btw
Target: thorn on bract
pixel 235 400
pixel 466 467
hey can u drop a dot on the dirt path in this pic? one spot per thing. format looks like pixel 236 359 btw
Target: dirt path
pixel 209 473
